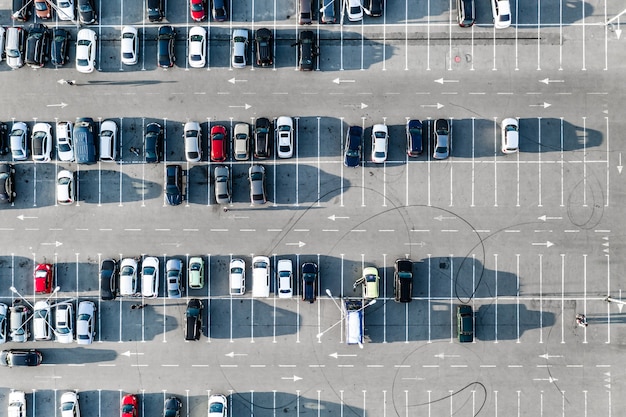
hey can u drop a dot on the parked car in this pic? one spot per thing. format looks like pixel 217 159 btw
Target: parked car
pixel 284 136
pixel 129 406
pixel 65 9
pixel 129 45
pixel 86 50
pixel 355 10
pixel 192 134
pixel 237 277
pixel 108 140
pixel 256 177
pixel 193 319
pixel 69 404
pixel 155 10
pixel 64 322
pixel 41 142
pixel 174 184
pixel 261 276
pixel 195 273
pixel 264 46
pixel 197 47
pixel 465 323
pixel 307 51
pixel 19 319
pixel 403 280
pixel 37 45
pixel 197 9
pixel 128 277
pixel 240 48
pixel 86 322
pixel 219 143
pixel 219 11
pixel 414 137
pixel 174 277
pixel 43 278
pixel 380 143
pixel 20 357
pixel 501 10
pixel 84 141
pixel 18 140
pixel 442 139
pixel 165 47
pixel 59 47
pixel 7 183
pixel 108 279
pixel 466 12
pixel 309 281
pixel 43 9
pixel 153 140
pixel 15 47
pixel 4 315
pixel 304 12
pixel 222 184
pixel 65 146
pixel 86 12
pixel 327 9
pixel 241 142
pixel 66 193
pixel 510 136
pixel 42 330
pixel 218 406
pixel 172 407
pixel 375 8
pixel 5 145
pixel 284 272
pixel 370 282
pixel 352 152
pixel 150 277
pixel 17 404
pixel 262 138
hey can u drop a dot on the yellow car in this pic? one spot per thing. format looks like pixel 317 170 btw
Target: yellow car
pixel 369 280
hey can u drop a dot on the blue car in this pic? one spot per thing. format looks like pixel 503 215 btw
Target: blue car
pixel 352 155
pixel 414 138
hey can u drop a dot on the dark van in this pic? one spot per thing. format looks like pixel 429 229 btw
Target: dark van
pixel 193 319
pixel 84 142
pixel 263 45
pixel 155 10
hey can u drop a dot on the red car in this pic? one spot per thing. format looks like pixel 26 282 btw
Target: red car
pixel 129 406
pixel 219 140
pixel 43 278
pixel 43 10
pixel 198 9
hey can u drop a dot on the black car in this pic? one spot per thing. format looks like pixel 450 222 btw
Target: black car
pixel 403 280
pixel 308 50
pixel 219 10
pixel 414 137
pixel 20 357
pixel 59 47
pixel 465 323
pixel 5 147
pixel 174 184
pixel 309 281
pixel 193 319
pixel 172 406
pixel 375 8
pixel 152 142
pixel 86 12
pixel 7 183
pixel 21 10
pixel 108 279
pixel 466 14
pixel 352 154
pixel 155 10
pixel 165 48
pixel 37 45
pixel 262 138
pixel 263 40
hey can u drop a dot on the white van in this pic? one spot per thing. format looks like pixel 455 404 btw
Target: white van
pixel 353 312
pixel 261 276
pixel 15 46
pixel 41 321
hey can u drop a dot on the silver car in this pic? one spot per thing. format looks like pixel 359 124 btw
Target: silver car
pixel 174 277
pixel 64 323
pixel 222 185
pixel 20 323
pixel 4 311
pixel 241 139
pixel 256 177
pixel 86 322
pixel 18 140
pixel 442 139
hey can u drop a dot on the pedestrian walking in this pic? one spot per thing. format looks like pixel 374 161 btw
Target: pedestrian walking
pixel 70 82
pixel 581 320
pixel 134 150
pixel 137 306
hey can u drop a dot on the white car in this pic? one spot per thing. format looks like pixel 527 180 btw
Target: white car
pixel 66 193
pixel 69 404
pixel 261 276
pixel 108 141
pixel 284 270
pixel 2 42
pixel 130 45
pixel 42 330
pixel 380 143
pixel 18 140
pixel 355 10
pixel 86 51
pixel 65 9
pixel 240 48
pixel 128 277
pixel 192 134
pixel 501 10
pixel 510 135
pixel 86 322
pixel 41 142
pixel 197 47
pixel 150 277
pixel 65 147
pixel 17 404
pixel 284 134
pixel 4 315
pixel 237 277
pixel 218 406
pixel 64 322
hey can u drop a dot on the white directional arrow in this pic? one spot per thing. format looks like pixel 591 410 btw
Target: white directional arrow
pixel 438 105
pixel 57 243
pixel 413 378
pixel 546 356
pixel 298 244
pixel 620 303
pixel 363 105
pixel 22 217
pixel 442 80
pixel 233 354
pixel 544 218
pixel 333 217
pixel 545 379
pixel 443 355
pixel 547 81
pixel 339 81
pixel 245 106
pixel 62 81
pixel 544 105
pixel 337 355
pixel 415 244
pixel 293 378
pixel 442 217
pixel 128 353
pixel 547 244
pixel 618 31
pixel 61 105
pixel 234 80
pixel 620 166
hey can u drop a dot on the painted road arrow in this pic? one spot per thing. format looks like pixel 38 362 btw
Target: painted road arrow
pixel 339 81
pixel 547 81
pixel 22 217
pixel 442 80
pixel 333 217
pixel 245 106
pixel 442 217
pixel 128 353
pixel 298 244
pixel 293 378
pixel 544 218
pixel 234 80
pixel 233 354
pixel 438 105
pixel 546 356
pixel 443 355
pixel 57 243
pixel 620 166
pixel 544 105
pixel 61 105
pixel 547 244
pixel 337 355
